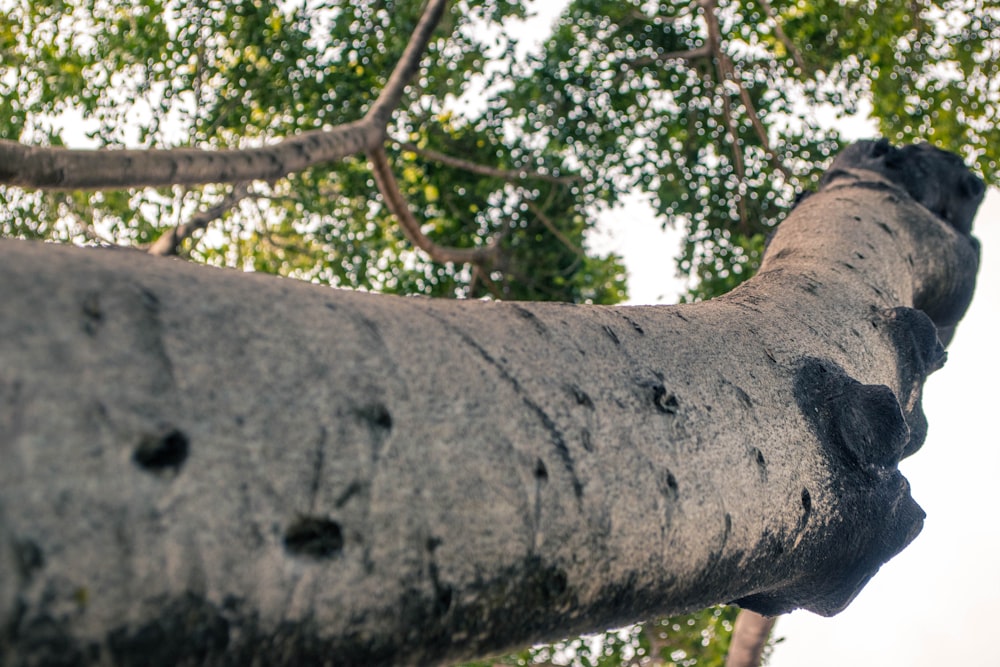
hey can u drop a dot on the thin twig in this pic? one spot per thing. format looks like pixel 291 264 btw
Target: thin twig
pixel 690 55
pixel 549 225
pixel 796 55
pixel 170 241
pixel 724 72
pixel 727 72
pixel 509 175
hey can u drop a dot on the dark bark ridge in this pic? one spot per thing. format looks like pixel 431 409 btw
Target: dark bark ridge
pixel 201 466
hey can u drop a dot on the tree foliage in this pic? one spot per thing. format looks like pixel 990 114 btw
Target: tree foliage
pixel 718 111
pixel 692 640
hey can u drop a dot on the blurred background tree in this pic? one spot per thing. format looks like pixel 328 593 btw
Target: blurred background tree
pixel 719 112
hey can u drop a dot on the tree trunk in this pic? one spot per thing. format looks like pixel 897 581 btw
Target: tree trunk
pixel 203 466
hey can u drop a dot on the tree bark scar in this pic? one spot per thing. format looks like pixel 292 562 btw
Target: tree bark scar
pixel 862 433
pixel 635 325
pixel 531 317
pixel 555 433
pixel 859 425
pixel 611 334
pixel 918 354
pixel 92 315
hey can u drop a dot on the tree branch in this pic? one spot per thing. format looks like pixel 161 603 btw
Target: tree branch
pixel 396 203
pixel 56 168
pixel 170 241
pixel 792 50
pixel 750 633
pixel 509 175
pixel 703 51
pixel 454 479
pixel 724 71
pixel 549 225
pixel 727 72
pixel 407 67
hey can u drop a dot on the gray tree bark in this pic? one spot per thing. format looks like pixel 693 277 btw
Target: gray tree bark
pixel 199 466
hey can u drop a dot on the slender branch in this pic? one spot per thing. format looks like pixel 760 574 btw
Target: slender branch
pixel 549 225
pixel 727 72
pixel 796 55
pixel 724 72
pixel 509 175
pixel 758 126
pixel 750 633
pixel 690 55
pixel 407 67
pixel 397 205
pixel 481 274
pixel 170 241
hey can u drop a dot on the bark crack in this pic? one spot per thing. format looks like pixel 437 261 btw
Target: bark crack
pixel 555 435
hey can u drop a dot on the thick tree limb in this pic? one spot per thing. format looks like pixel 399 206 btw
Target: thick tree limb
pixel 750 634
pixel 204 466
pixel 54 168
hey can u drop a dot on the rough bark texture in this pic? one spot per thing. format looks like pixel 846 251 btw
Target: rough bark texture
pixel 203 466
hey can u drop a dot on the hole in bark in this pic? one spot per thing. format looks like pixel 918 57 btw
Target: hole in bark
pixel 580 396
pixel 541 472
pixel 806 501
pixel 160 452
pixel 664 402
pixel 442 601
pixel 28 558
pixel 377 415
pixel 586 441
pixel 668 485
pixel 92 314
pixel 559 583
pixel 314 537
pixel 758 457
